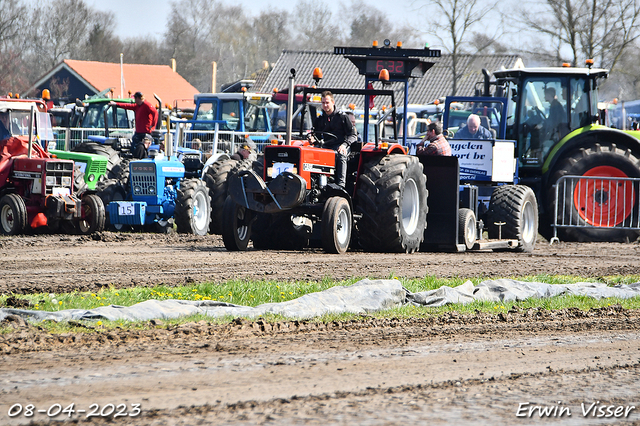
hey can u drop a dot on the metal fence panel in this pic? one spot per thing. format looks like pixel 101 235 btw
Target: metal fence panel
pixel 596 202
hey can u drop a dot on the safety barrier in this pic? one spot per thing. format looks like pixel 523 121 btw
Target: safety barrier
pixel 228 141
pixel 596 202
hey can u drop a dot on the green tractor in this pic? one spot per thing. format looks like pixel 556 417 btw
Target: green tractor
pixel 564 154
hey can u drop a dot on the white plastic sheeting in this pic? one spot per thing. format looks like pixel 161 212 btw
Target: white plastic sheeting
pixel 365 296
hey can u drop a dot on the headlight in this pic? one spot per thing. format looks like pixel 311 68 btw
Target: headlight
pixel 51 181
pixel 137 189
pixel 66 180
pixel 92 178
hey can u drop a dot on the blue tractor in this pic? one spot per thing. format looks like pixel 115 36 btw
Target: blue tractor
pixel 161 194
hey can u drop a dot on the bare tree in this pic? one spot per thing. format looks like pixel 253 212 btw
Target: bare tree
pixel 588 29
pixel 369 23
pixel 12 66
pixel 315 27
pixel 459 18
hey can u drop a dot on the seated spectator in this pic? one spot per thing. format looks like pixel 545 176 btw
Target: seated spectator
pixel 473 130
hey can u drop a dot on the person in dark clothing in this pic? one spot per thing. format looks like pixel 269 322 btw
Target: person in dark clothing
pixel 342 134
pixel 473 129
pixel 141 150
pixel 556 123
pixel 146 118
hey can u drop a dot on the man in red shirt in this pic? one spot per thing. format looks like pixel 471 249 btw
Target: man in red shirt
pixel 438 144
pixel 146 118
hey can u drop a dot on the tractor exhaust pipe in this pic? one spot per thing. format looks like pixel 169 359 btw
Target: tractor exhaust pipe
pixel 30 130
pixel 290 105
pixel 487 82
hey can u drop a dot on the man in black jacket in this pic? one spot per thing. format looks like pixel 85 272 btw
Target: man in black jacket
pixel 342 134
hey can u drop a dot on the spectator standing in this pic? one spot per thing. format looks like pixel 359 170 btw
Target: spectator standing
pixel 146 117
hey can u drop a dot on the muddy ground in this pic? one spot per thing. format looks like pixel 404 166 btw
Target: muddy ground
pixel 569 366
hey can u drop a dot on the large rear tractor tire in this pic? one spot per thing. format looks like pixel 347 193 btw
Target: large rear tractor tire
pixel 392 199
pixel 93 215
pixel 105 150
pixel 193 208
pixel 216 179
pixel 513 215
pixel 336 225
pixel 13 214
pixel 236 229
pixel 604 207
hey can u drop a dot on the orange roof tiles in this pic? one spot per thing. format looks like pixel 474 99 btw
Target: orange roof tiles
pixel 148 79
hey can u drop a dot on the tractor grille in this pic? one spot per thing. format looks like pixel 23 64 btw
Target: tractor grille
pixel 59 174
pixel 143 178
pixel 281 154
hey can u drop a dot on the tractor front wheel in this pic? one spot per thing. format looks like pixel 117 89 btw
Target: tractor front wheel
pixel 467 230
pixel 336 225
pixel 13 214
pixel 513 214
pixel 236 225
pixel 193 208
pixel 93 215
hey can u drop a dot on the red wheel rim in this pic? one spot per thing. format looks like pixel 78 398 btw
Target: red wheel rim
pixel 604 202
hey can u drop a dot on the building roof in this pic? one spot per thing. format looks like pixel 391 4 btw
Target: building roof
pixel 148 79
pixel 339 72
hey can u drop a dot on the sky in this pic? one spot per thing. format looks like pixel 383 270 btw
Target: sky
pixel 149 17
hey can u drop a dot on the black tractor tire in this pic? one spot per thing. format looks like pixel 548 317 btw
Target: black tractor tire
pixel 111 190
pixel 276 232
pixel 93 215
pixel 79 185
pixel 336 225
pixel 258 165
pixel 467 228
pixel 105 150
pixel 392 199
pixel 216 179
pixel 516 208
pixel 193 208
pixel 13 215
pixel 120 172
pixel 236 225
pixel 584 162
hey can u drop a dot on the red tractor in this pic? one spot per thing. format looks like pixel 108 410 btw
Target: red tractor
pixel 35 188
pixel 290 201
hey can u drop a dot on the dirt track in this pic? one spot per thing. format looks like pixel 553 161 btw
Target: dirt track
pixel 479 369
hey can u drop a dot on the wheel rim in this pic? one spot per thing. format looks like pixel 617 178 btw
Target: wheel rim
pixel 604 202
pixel 84 224
pixel 241 227
pixel 7 218
pixel 470 231
pixel 342 227
pixel 528 222
pixel 200 210
pixel 410 206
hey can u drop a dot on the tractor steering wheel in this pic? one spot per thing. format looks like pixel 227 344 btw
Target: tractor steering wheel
pixel 317 138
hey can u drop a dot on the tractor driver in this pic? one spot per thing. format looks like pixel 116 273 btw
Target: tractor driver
pixel 340 134
pixel 473 129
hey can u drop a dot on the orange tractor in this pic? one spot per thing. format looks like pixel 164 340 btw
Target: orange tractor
pixel 290 201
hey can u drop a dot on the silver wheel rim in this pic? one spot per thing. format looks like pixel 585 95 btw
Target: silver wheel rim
pixel 342 227
pixel 7 218
pixel 528 222
pixel 200 211
pixel 410 206
pixel 470 231
pixel 242 229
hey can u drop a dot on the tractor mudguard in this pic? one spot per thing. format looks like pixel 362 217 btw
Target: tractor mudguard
pixel 284 192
